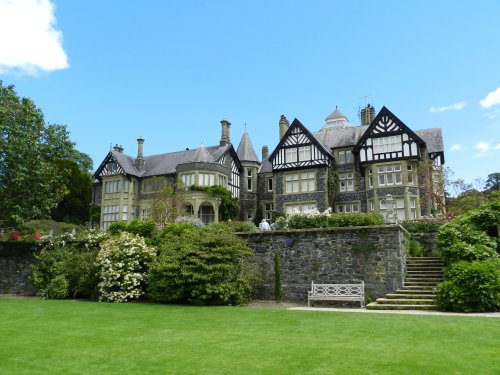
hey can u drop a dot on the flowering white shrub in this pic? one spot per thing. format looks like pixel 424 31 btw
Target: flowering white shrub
pixel 189 220
pixel 123 262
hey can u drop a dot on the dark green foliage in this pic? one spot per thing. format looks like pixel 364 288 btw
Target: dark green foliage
pixel 416 249
pixel 146 229
pixel 471 287
pixel 74 261
pixel 278 291
pixel 487 217
pixel 460 240
pixel 57 288
pixel 203 266
pixel 425 225
pixel 304 221
pixel 242 226
pixel 74 207
pixel 117 227
pixel 31 183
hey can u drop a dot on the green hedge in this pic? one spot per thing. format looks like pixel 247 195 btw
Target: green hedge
pixel 471 287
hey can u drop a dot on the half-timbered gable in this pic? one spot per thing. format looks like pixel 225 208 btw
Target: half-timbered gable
pixel 299 149
pixel 115 163
pixel 388 139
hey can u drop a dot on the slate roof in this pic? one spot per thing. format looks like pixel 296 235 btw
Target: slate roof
pixel 266 166
pixel 433 139
pixel 334 138
pixel 246 152
pixel 163 164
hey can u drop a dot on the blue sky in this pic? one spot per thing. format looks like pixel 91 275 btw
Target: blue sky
pixel 169 71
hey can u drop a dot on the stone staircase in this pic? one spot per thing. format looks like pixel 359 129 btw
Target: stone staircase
pixel 423 274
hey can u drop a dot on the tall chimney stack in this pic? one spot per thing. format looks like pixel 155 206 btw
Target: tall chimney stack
pixel 139 162
pixel 367 115
pixel 225 139
pixel 118 148
pixel 265 152
pixel 284 125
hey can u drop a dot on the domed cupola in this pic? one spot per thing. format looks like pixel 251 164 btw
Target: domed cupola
pixel 336 120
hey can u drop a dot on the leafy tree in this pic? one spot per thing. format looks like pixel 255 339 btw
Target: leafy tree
pixel 168 201
pixel 207 265
pixel 31 182
pixel 75 206
pixel 493 182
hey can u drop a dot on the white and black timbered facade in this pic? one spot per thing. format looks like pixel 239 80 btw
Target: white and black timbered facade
pixel 388 139
pixel 300 166
pixel 299 149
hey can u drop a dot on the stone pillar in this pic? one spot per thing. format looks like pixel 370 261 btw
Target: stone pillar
pixel 225 138
pixel 139 162
pixel 284 125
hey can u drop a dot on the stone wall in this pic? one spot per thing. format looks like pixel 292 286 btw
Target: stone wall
pixel 428 240
pixel 373 254
pixel 16 259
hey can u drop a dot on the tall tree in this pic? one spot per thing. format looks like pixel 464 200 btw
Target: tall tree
pixel 31 182
pixel 493 182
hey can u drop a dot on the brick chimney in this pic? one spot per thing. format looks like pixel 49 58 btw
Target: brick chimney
pixel 225 139
pixel 284 125
pixel 139 161
pixel 265 152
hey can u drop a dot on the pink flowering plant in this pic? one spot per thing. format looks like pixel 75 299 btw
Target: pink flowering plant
pixel 123 261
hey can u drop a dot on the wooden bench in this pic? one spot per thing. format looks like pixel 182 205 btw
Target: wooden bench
pixel 337 292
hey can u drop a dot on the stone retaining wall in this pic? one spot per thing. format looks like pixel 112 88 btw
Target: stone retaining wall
pixel 373 254
pixel 16 259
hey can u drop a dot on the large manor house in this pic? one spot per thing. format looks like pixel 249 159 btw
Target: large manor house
pixel 344 167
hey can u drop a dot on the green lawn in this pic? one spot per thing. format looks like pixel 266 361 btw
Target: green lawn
pixel 67 337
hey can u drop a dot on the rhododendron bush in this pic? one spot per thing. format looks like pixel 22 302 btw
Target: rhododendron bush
pixel 123 261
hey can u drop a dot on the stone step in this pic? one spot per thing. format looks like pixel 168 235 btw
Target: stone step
pixel 409 295
pixel 406 301
pixel 424 265
pixel 388 306
pixel 424 273
pixel 424 279
pixel 421 283
pixel 415 291
pixel 419 287
pixel 412 267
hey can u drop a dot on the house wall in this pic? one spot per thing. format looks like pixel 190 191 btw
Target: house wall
pixel 373 254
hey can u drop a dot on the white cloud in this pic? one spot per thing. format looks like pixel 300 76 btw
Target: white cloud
pixel 493 98
pixel 497 147
pixel 454 107
pixel 29 43
pixel 456 148
pixel 483 146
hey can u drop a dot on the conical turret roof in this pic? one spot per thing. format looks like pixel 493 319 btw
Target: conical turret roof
pixel 203 156
pixel 245 150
